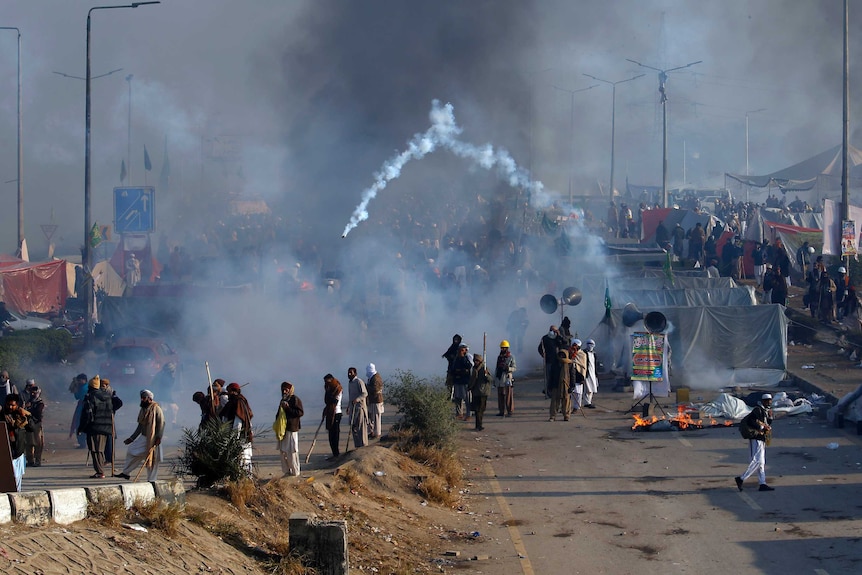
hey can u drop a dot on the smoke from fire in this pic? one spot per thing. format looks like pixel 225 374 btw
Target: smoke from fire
pixel 443 133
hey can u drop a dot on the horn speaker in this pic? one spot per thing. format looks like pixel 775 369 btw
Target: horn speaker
pixel 548 303
pixel 654 321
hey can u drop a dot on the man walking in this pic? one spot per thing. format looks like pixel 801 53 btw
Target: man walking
pixel 145 442
pixel 504 380
pixel 548 348
pixel 35 438
pixel 461 368
pixel 759 421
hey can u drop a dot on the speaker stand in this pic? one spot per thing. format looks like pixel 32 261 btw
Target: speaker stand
pixel 650 400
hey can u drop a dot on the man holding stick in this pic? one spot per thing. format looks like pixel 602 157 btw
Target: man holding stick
pixel 145 442
pixel 288 441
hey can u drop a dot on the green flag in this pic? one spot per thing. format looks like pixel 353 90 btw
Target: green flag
pixel 95 236
pixel 668 267
pixel 607 301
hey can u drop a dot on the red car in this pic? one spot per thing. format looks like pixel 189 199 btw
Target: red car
pixel 135 361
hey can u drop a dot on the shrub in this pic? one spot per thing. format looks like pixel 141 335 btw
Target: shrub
pixel 212 454
pixel 22 348
pixel 424 409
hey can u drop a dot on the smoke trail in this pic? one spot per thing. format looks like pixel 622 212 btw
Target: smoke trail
pixel 443 133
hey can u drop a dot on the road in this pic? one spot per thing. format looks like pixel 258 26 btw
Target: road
pixel 592 496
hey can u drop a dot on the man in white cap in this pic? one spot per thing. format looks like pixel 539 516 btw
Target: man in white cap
pixel 591 380
pixel 840 292
pixel 145 443
pixel 759 433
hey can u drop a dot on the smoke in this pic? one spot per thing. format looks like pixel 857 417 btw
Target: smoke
pixel 444 133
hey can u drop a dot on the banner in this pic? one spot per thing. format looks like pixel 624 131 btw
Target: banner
pixel 848 238
pixel 648 356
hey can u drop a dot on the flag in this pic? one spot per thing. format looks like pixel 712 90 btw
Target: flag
pixel 123 171
pixel 165 175
pixel 95 236
pixel 607 301
pixel 668 267
pixel 148 166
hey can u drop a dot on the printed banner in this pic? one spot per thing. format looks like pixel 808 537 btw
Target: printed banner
pixel 848 238
pixel 647 356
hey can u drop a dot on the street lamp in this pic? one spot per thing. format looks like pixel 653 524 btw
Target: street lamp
pixel 129 149
pixel 662 80
pixel 613 118
pixel 747 172
pixel 88 262
pixel 20 155
pixel 572 138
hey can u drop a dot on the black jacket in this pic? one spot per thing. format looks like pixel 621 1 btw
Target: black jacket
pixel 96 414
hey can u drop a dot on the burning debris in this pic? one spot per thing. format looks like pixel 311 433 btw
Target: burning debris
pixel 682 420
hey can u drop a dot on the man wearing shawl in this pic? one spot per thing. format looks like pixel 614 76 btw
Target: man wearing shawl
pixel 238 413
pixel 288 434
pixel 357 410
pixel 332 392
pixel 145 443
pixel 375 401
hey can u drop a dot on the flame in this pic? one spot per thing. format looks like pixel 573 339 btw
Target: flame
pixel 682 420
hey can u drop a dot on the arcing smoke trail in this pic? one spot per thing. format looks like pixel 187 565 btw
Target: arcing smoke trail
pixel 444 133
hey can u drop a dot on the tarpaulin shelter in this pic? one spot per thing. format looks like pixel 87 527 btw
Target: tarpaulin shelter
pixel 821 172
pixel 33 287
pixel 712 347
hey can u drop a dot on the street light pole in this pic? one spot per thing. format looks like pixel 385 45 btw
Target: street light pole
pixel 572 135
pixel 662 81
pixel 20 155
pixel 88 254
pixel 129 149
pixel 747 172
pixel 613 119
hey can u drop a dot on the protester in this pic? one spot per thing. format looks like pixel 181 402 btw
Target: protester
pixel 78 388
pixel 116 404
pixel 449 355
pixel 96 423
pixel 504 380
pixel 287 433
pixel 332 392
pixel 238 414
pixel 480 388
pixel 760 423
pixel 357 409
pixel 591 380
pixel 6 386
pixel 145 442
pixel 17 422
pixel 35 437
pixel 375 401
pixel 560 394
pixel 548 348
pixel 578 374
pixel 461 368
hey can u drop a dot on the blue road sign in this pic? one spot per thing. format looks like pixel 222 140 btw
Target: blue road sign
pixel 134 210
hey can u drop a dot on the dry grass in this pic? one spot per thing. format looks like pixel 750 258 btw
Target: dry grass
pixel 108 512
pixel 350 477
pixel 444 462
pixel 240 492
pixel 436 490
pixel 289 565
pixel 158 514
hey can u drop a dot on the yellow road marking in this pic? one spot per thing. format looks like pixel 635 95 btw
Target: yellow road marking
pixel 514 534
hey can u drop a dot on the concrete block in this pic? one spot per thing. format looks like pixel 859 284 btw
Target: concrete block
pixel 142 492
pixel 104 494
pixel 171 492
pixel 31 507
pixel 5 509
pixel 68 505
pixel 324 543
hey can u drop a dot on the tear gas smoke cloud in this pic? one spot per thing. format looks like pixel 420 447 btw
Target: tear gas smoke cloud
pixel 443 133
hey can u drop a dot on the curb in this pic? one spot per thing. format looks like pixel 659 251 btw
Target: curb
pixel 65 506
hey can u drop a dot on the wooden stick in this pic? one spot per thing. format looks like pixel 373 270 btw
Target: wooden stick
pixel 350 429
pixel 113 443
pixel 314 441
pixel 212 392
pixel 147 461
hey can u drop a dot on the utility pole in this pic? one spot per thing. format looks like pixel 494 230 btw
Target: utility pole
pixel 613 119
pixel 662 81
pixel 845 168
pixel 20 248
pixel 129 148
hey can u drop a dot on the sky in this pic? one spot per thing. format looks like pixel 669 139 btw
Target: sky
pixel 300 103
pixel 311 97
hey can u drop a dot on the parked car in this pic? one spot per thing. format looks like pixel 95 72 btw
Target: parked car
pixel 20 322
pixel 135 361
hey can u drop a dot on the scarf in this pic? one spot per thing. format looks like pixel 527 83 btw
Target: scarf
pixel 238 407
pixel 502 364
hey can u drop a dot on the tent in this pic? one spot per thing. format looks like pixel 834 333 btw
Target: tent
pixel 33 287
pixel 820 172
pixel 711 347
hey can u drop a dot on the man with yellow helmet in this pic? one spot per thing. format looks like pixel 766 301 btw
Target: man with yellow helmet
pixel 504 380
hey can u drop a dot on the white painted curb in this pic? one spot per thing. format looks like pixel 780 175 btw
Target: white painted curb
pixel 68 505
